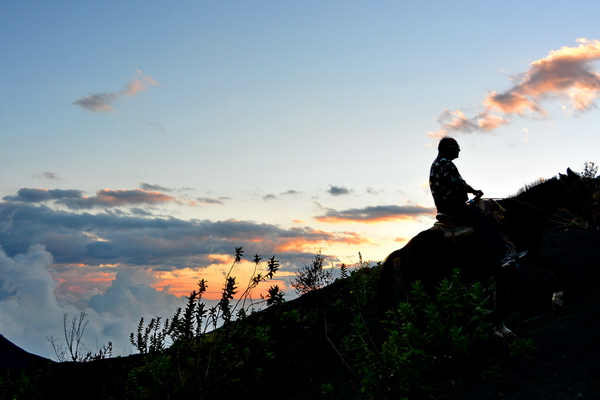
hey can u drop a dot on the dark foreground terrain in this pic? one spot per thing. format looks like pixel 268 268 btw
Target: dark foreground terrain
pixel 566 363
pixel 306 334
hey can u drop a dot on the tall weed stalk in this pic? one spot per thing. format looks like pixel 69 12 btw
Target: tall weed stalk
pixel 208 356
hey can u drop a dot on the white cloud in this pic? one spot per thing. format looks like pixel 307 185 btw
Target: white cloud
pixel 131 296
pixel 30 311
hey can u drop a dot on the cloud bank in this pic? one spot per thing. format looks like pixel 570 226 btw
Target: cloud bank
pixel 566 75
pixel 151 242
pixel 109 255
pixel 31 307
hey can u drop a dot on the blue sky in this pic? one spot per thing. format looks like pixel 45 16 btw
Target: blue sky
pixel 143 141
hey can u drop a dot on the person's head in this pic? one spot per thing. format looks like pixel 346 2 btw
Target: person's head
pixel 449 148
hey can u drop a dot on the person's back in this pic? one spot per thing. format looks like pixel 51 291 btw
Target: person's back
pixel 450 194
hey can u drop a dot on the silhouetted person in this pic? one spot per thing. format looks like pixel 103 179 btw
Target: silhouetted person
pixel 450 194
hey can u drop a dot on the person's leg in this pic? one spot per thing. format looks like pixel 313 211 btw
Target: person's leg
pixel 489 235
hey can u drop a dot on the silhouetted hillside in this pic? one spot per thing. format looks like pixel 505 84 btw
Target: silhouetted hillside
pixel 299 355
pixel 12 356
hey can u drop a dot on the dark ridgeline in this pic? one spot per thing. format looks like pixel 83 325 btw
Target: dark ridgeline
pixel 12 356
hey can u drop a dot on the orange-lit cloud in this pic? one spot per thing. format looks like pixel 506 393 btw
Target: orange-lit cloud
pixel 141 240
pixel 318 238
pixel 374 214
pixel 566 74
pixel 118 197
pixel 102 102
pixel 136 196
pixel 80 281
pixel 457 121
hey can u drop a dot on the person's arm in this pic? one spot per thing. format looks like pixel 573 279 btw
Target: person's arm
pixel 477 193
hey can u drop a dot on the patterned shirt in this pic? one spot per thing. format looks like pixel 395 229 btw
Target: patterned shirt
pixel 447 186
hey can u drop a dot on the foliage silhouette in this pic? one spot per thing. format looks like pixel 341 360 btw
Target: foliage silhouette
pixel 74 349
pixel 209 353
pixel 258 354
pixel 313 276
pixel 590 170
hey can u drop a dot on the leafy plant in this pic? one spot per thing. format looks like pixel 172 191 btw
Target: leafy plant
pixel 344 274
pixel 74 348
pixel 202 363
pixel 521 348
pixel 274 296
pixel 590 170
pixel 150 339
pixel 313 276
pixel 421 335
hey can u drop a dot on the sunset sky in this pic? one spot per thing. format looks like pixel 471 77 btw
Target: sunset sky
pixel 141 142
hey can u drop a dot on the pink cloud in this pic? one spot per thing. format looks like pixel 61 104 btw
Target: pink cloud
pixel 102 102
pixel 566 74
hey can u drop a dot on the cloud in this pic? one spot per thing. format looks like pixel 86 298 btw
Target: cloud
pixel 157 188
pixel 155 125
pixel 26 295
pixel 338 190
pixel 116 198
pixel 566 75
pixel 111 264
pixel 102 102
pixel 457 121
pixel 140 212
pixel 131 295
pixel 307 240
pixel 32 307
pixel 28 195
pixel 371 190
pixel 375 214
pixel 47 175
pixel 271 196
pixel 209 200
pixel 142 240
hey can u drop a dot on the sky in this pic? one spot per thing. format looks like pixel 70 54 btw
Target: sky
pixel 142 142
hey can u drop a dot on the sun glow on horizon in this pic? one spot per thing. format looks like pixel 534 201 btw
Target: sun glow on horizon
pixel 183 281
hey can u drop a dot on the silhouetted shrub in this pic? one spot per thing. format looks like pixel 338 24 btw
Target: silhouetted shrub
pixel 313 276
pixel 210 355
pixel 422 334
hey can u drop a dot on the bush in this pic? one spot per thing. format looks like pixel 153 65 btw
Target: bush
pixel 590 170
pixel 204 361
pixel 313 276
pixel 74 349
pixel 420 336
